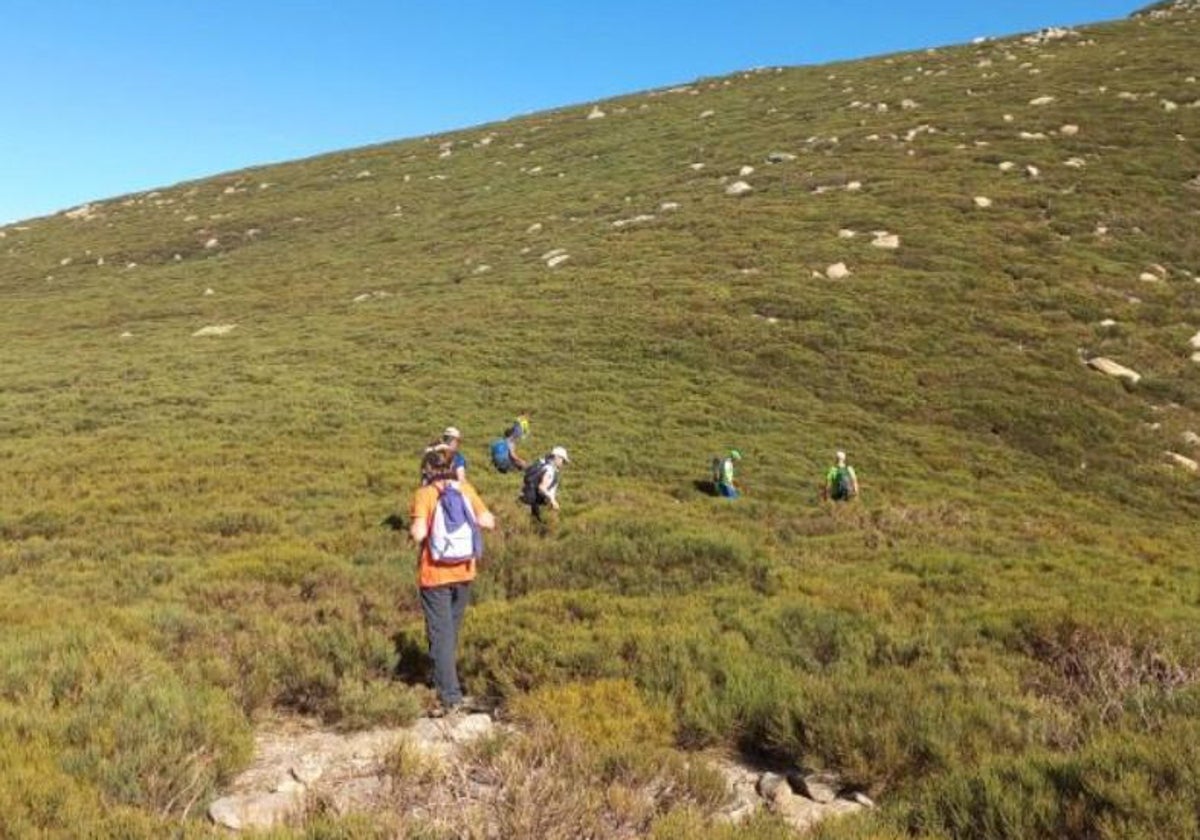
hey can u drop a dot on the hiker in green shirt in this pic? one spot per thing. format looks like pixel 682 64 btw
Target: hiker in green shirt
pixel 724 475
pixel 841 484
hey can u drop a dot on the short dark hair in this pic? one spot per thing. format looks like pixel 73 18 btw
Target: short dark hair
pixel 437 463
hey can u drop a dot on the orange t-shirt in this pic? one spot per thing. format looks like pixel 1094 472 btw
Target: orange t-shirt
pixel 432 574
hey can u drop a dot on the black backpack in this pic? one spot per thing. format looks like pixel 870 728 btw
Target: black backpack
pixel 533 478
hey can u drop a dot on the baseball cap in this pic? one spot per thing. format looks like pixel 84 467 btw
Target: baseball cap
pixel 451 432
pixel 560 452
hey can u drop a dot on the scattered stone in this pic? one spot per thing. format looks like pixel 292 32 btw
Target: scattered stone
pixel 127 334
pixel 596 113
pixel 1032 135
pixel 846 233
pixel 853 186
pixel 668 206
pixel 366 173
pixel 1032 171
pixel 1075 163
pixel 746 171
pixel 636 220
pixel 738 188
pixel 483 268
pixel 536 227
pixel 982 201
pixel 212 243
pixel 209 292
pixel 706 114
pixel 819 787
pixel 883 239
pixel 216 329
pixel 1041 100
pixel 1111 368
pixel 1069 130
pixel 837 271
pixel 908 104
pixel 1149 277
pixel 1191 438
pixel 1194 341
pixel 1007 166
pixel 780 157
pixel 1183 461
pixel 557 260
pixel 696 167
pixel 1169 106
pixel 1108 322
pixel 257 810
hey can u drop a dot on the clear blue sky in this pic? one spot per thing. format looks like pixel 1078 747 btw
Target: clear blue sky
pixel 106 97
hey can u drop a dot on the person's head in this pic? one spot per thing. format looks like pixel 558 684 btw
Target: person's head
pixel 437 463
pixel 559 455
pixel 735 454
pixel 841 458
pixel 451 437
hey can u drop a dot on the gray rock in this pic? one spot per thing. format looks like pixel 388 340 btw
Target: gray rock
pixel 819 787
pixel 1111 368
pixel 257 810
pixel 768 783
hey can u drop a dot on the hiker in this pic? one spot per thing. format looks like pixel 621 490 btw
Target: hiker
pixel 541 481
pixel 723 475
pixel 446 515
pixel 841 484
pixel 504 451
pixel 451 438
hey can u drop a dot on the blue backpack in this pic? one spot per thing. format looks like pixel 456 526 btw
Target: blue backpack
pixel 454 534
pixel 501 457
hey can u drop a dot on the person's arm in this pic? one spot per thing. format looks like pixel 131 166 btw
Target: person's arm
pixel 853 481
pixel 460 467
pixel 418 530
pixel 518 462
pixel 547 488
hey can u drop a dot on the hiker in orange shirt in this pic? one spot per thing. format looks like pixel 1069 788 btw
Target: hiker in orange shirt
pixel 446 516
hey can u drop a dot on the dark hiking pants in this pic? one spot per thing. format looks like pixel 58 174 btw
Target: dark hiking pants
pixel 444 608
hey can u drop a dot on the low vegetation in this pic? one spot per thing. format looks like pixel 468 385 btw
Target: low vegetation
pixel 997 641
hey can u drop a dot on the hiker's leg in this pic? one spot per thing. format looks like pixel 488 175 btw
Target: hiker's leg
pixel 442 632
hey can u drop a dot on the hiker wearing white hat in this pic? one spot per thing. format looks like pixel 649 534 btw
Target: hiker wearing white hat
pixel 841 482
pixel 451 439
pixel 541 481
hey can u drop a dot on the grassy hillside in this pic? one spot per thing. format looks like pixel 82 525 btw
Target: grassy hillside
pixel 998 641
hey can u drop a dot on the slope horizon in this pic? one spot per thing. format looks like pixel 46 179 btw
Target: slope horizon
pixel 128 151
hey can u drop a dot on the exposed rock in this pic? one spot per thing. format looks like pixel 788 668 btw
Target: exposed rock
pixel 803 814
pixel 780 157
pixel 668 206
pixel 746 171
pixel 536 227
pixel 1111 368
pixel 1191 438
pixel 557 260
pixel 596 113
pixel 982 201
pixel 212 243
pixel 1041 100
pixel 216 329
pixel 257 810
pixel 636 220
pixel 1007 166
pixel 1032 171
pixel 1075 162
pixel 883 239
pixel 738 188
pixel 846 233
pixel 1183 461
pixel 819 787
pixel 1069 130
pixel 1194 341
pixel 837 271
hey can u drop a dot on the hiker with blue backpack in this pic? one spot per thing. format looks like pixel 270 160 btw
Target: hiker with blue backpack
pixel 841 483
pixel 447 520
pixel 722 468
pixel 504 451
